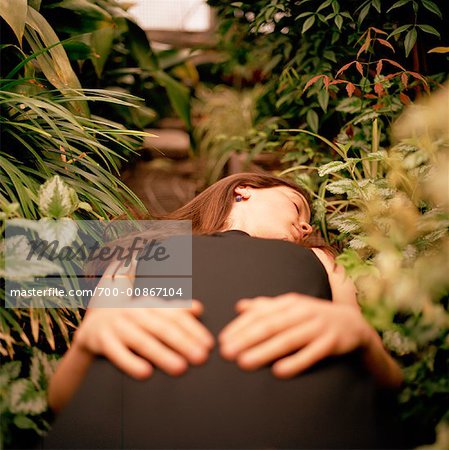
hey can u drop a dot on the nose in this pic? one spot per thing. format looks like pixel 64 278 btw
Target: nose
pixel 305 229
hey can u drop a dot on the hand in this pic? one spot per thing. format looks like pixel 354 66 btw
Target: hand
pixel 270 328
pixel 135 339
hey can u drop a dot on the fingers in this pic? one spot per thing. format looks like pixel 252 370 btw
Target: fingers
pixel 125 360
pixel 196 329
pixel 316 351
pixel 153 350
pixel 279 345
pixel 167 329
pixel 259 309
pixel 259 324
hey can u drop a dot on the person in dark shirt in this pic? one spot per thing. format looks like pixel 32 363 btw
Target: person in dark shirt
pixel 274 333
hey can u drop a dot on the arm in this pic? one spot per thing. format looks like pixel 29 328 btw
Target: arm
pixel 376 358
pixel 134 339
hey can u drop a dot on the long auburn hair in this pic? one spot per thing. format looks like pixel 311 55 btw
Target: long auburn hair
pixel 210 210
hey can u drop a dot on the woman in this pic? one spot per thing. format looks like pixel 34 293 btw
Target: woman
pixel 283 325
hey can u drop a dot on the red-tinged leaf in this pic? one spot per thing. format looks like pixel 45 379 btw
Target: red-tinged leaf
pixel 394 63
pixel 378 31
pixel 391 75
pixel 378 106
pixel 418 76
pixel 404 79
pixel 359 68
pixel 370 96
pixel 405 99
pixel 313 80
pixel 385 43
pixel 350 88
pixel 379 66
pixel 337 82
pixel 379 89
pixel 345 67
pixel 326 81
pixel 363 48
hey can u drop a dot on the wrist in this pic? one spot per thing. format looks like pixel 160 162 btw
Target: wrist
pixel 370 338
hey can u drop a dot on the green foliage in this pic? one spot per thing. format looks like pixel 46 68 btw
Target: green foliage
pixel 59 160
pixel 112 51
pixel 23 397
pixel 304 52
pixel 390 209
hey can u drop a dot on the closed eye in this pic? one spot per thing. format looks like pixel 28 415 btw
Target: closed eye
pixel 296 206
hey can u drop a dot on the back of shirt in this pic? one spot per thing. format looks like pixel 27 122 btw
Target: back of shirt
pixel 218 405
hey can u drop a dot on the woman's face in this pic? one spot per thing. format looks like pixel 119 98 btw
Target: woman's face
pixel 277 213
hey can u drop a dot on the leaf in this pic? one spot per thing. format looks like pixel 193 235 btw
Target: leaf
pixel 56 199
pixel 338 21
pixel 376 4
pixel 365 45
pixel 21 264
pixel 359 67
pixel 399 30
pixel 439 50
pixel 394 63
pixel 25 399
pixel 341 186
pixel 81 16
pixel 385 43
pixel 344 68
pixel 379 31
pixel 430 30
pixel 379 66
pixel 335 166
pixel 42 369
pixel 25 423
pixel 54 62
pixel 432 7
pixel 404 80
pixel 312 81
pixel 178 94
pixel 64 231
pixel 8 372
pixel 312 119
pixel 398 5
pixel 418 76
pixel 323 5
pixel 14 13
pixel 350 89
pixel 304 14
pixel 101 43
pixel 308 23
pixel 140 47
pixel 405 99
pixel 363 13
pixel 379 89
pixel 323 99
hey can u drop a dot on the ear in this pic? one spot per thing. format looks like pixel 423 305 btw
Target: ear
pixel 243 191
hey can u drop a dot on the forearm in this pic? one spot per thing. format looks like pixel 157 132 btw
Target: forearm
pixel 380 363
pixel 68 376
